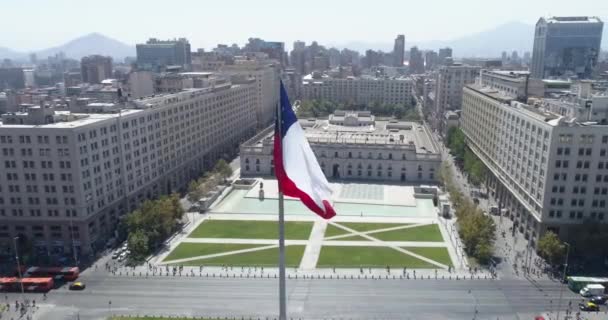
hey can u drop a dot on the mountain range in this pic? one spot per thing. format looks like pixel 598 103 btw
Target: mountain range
pixel 489 43
pixel 93 43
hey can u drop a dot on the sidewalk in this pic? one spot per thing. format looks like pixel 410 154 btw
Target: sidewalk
pixel 318 273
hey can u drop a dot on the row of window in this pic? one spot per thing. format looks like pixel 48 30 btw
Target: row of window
pixel 578 215
pixel 24 139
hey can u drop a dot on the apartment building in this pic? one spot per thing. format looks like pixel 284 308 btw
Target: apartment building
pixel 266 76
pixel 67 177
pixel 353 145
pixel 450 80
pixel 548 168
pixel 360 90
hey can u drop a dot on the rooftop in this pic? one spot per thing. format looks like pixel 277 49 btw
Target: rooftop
pixel 578 19
pixel 541 109
pixel 380 133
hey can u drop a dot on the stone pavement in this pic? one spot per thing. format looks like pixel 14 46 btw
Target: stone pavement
pixel 313 246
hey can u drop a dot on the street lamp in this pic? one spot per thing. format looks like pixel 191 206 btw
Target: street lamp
pixel 561 288
pixel 19 268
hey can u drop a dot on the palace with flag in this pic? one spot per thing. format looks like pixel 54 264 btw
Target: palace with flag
pixel 362 153
pixel 354 145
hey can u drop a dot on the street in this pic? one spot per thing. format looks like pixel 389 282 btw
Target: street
pixel 308 299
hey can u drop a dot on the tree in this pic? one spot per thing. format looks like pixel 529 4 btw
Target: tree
pixel 194 192
pixel 456 142
pixel 483 253
pixel 550 247
pixel 474 167
pixel 223 169
pixel 177 211
pixel 477 231
pixel 399 112
pixel 138 244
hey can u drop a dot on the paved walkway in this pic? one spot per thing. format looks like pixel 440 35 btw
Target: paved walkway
pixel 313 247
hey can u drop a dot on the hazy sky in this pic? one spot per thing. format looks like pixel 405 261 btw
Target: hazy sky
pixel 37 24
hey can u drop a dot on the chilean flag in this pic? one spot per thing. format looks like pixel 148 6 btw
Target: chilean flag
pixel 296 166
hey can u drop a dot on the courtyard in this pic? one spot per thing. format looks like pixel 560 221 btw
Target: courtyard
pixel 377 226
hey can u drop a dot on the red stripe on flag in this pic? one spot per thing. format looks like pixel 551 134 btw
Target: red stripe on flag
pixel 289 188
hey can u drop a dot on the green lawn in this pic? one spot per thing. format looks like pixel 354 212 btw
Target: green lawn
pixel 357 226
pixel 266 257
pixel 440 255
pixel 187 250
pixel 428 232
pixel 422 233
pixel 248 229
pixel 354 257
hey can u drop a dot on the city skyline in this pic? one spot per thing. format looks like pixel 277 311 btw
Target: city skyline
pixel 290 25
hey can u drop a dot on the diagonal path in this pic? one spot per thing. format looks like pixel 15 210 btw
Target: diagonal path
pixel 377 230
pixel 386 244
pixel 227 253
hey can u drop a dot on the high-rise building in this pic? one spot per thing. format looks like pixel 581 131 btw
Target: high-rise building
pixel 514 57
pixel 399 51
pixel 96 68
pixel 71 176
pixel 416 62
pixel 449 82
pixel 430 60
pixel 155 55
pixel 33 58
pixel 299 45
pixel 266 75
pixel 12 78
pixel 444 54
pixel 527 57
pixel 372 59
pixel 566 46
pixel 275 50
pixel 547 161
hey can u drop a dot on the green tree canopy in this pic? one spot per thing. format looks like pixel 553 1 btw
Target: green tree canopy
pixel 222 168
pixel 138 244
pixel 551 248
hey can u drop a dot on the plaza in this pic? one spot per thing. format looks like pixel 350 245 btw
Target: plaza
pixel 377 226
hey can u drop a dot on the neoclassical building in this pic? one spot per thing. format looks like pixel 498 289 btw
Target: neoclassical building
pixel 353 145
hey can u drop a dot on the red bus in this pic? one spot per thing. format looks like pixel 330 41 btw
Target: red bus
pixel 67 273
pixel 13 284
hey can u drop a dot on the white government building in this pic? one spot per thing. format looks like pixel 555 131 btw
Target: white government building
pixel 86 167
pixel 548 158
pixel 361 90
pixel 353 145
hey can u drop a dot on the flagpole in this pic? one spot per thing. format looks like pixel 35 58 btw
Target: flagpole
pixel 282 291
